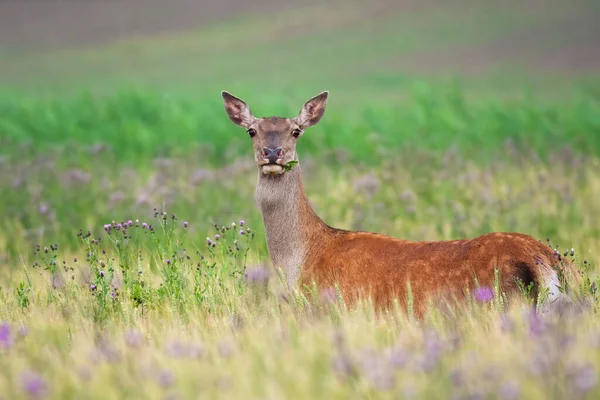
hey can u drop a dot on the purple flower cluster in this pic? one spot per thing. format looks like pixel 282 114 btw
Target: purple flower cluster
pixel 484 294
pixel 34 384
pixel 6 336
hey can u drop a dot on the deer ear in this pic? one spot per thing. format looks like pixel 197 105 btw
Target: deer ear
pixel 239 113
pixel 313 110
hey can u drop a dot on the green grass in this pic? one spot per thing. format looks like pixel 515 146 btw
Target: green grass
pixel 139 125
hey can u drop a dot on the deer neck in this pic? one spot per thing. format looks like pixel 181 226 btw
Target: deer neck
pixel 289 220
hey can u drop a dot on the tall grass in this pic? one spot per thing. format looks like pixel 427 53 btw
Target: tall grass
pixel 114 283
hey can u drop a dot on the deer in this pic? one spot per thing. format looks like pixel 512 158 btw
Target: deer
pixel 311 253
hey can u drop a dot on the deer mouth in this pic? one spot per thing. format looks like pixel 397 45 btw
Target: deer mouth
pixel 272 169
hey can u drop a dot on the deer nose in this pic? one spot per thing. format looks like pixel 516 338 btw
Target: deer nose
pixel 272 154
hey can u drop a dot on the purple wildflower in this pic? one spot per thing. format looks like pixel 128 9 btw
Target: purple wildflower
pixel 398 358
pixel 23 331
pixel 33 384
pixel 226 349
pixel 257 275
pixel 165 378
pixel 102 274
pixel 537 326
pixel 242 232
pixel 6 338
pixel 44 209
pixel 185 224
pixel 457 377
pixel 134 338
pixel 342 366
pixel 144 225
pixel 93 287
pixel 483 294
pixel 217 236
pixel 242 222
pixel 583 377
pixel 510 390
pixel 107 227
pixel 168 262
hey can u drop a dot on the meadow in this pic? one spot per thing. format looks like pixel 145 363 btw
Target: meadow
pixel 133 261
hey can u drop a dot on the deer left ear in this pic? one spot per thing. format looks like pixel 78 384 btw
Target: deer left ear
pixel 313 110
pixel 238 111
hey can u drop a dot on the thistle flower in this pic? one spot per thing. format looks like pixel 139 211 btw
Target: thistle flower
pixel 6 338
pixel 242 222
pixel 165 378
pixel 144 225
pixel 226 349
pixel 134 338
pixel 185 224
pixel 483 294
pixel 257 275
pixel 102 274
pixel 242 232
pixel 34 384
pixel 510 390
pixel 582 377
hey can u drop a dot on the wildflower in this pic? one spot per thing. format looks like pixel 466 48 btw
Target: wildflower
pixel 217 237
pixel 483 294
pixel 342 366
pixel 242 222
pixel 377 371
pixel 457 377
pixel 257 275
pixel 242 232
pixel 226 349
pixel 129 223
pixel 6 339
pixel 23 331
pixel 33 384
pixel 107 228
pixel 583 377
pixel 144 225
pixel 510 390
pixel 134 338
pixel 165 378
pixel 185 224
pixel 397 358
pixel 168 262
pixel 92 286
pixel 44 209
pixel 102 274
pixel 113 294
pixel 233 224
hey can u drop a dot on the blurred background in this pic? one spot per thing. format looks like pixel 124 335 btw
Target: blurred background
pixel 445 118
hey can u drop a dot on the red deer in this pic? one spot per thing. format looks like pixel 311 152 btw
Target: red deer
pixel 309 251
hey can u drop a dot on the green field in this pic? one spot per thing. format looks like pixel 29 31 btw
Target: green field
pixel 445 120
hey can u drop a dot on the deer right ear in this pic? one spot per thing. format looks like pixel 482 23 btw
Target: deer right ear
pixel 239 113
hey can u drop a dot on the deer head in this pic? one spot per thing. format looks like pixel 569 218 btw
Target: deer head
pixel 274 138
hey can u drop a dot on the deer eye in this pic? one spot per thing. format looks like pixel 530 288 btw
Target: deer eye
pixel 296 133
pixel 251 132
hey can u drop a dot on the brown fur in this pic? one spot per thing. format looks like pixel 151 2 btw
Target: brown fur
pixel 369 264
